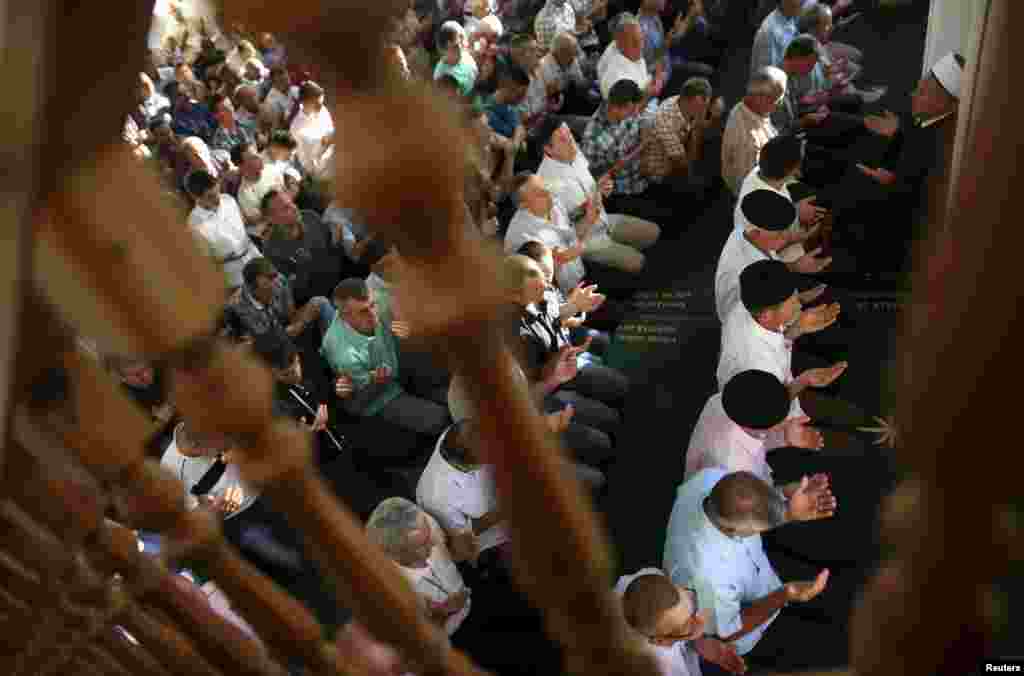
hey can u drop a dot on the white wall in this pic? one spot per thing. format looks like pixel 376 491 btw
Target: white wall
pixel 953 26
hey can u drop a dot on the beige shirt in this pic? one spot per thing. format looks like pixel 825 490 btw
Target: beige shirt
pixel 745 134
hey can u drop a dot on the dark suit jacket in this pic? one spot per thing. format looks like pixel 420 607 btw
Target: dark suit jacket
pixel 921 158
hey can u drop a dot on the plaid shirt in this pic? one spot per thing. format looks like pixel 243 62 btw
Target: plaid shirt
pixel 745 134
pixel 606 142
pixel 670 136
pixel 246 316
pixel 558 16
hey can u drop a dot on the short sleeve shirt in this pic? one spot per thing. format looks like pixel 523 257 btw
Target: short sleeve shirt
pixel 728 573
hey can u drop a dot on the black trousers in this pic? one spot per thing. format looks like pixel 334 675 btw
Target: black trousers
pixel 503 633
pixel 651 205
pixel 265 539
pixel 589 437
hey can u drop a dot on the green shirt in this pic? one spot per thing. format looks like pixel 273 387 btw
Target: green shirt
pixel 464 72
pixel 350 352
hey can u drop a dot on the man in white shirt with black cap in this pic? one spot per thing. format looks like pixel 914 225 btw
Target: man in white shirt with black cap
pixel 914 172
pixel 759 332
pixel 769 226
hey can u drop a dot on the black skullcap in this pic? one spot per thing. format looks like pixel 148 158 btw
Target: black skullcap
pixel 624 92
pixel 768 210
pixel 765 284
pixel 755 399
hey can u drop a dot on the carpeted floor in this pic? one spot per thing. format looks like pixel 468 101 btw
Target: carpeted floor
pixel 673 372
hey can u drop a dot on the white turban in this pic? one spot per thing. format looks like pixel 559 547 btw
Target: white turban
pixel 949 74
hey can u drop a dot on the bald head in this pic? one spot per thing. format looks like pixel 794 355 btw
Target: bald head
pixel 646 601
pixel 743 502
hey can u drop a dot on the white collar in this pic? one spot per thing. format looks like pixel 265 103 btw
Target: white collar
pixel 765 334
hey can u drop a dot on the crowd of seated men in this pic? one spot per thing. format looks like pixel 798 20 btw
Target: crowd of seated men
pixel 595 130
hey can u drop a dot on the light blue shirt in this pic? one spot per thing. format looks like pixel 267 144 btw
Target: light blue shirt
pixel 728 573
pixel 774 35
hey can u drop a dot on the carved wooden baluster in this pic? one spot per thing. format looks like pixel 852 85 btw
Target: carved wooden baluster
pixel 103 659
pixel 227 647
pixel 166 643
pixel 159 506
pixel 136 658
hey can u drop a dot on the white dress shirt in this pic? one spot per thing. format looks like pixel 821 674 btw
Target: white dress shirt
pixel 717 441
pixel 455 497
pixel 736 255
pixel 439 579
pixel 748 345
pixel 677 659
pixel 191 470
pixel 309 132
pixel 250 195
pixel 223 232
pixel 728 573
pixel 614 66
pixel 753 182
pixel 572 183
pixel 556 233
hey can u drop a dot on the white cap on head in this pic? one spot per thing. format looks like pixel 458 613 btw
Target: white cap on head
pixel 949 74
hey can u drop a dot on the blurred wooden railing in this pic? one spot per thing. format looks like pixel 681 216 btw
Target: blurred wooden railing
pixel 93 241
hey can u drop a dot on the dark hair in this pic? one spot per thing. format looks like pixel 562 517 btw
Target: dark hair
pixel 375 250
pixel 158 122
pixel 256 268
pixel 283 138
pixel 270 195
pixel 780 155
pixel 512 74
pixel 533 249
pixel 275 348
pixel 218 99
pixel 801 47
pixel 446 36
pixel 448 81
pixel 199 182
pixel 696 86
pixel 310 90
pixel 171 90
pixel 624 92
pixel 348 289
pixel 238 151
pixel 547 129
pixel 458 445
pixel 646 599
